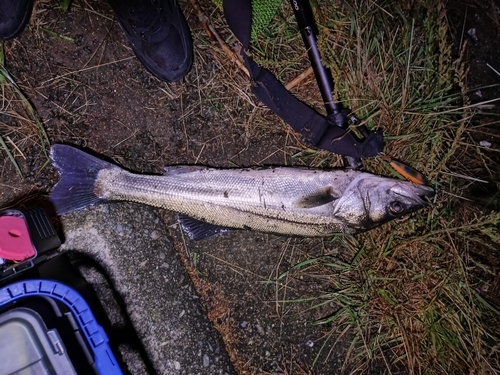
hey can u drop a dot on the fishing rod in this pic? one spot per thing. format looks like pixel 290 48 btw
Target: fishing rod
pixel 335 112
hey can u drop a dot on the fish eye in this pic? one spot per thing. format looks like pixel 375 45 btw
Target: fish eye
pixel 396 207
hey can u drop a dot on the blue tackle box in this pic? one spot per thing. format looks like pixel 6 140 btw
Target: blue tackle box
pixel 46 325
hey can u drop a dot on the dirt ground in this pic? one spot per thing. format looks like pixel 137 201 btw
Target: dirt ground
pixel 89 90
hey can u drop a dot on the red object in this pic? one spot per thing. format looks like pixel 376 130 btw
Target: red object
pixel 15 242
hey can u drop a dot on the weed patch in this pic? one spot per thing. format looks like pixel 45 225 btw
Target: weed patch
pixel 414 298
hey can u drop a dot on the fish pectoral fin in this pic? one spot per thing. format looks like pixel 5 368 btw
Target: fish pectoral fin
pixel 180 169
pixel 317 198
pixel 197 229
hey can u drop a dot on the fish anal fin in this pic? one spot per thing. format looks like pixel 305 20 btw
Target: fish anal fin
pixel 197 229
pixel 315 199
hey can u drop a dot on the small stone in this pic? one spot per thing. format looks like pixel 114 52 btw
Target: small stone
pixel 177 365
pixel 244 324
pixel 472 33
pixel 206 361
pixel 310 343
pixel 155 235
pixel 260 330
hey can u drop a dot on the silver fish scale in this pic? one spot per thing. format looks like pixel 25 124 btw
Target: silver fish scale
pixel 260 199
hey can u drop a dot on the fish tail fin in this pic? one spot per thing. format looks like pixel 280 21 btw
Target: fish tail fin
pixel 78 172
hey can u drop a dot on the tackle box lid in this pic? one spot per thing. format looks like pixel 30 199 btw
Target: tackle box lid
pixel 27 345
pixel 39 340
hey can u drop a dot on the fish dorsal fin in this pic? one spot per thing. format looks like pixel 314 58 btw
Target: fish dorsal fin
pixel 317 198
pixel 180 169
pixel 199 230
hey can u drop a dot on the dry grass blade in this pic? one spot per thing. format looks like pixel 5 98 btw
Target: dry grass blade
pixel 2 142
pixel 2 57
pixel 212 33
pixel 13 96
pixel 44 139
pixel 11 157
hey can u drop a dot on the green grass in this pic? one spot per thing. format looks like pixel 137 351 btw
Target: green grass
pixel 65 4
pixel 29 130
pixel 414 299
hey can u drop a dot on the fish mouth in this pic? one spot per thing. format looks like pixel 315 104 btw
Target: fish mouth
pixel 424 192
pixel 416 196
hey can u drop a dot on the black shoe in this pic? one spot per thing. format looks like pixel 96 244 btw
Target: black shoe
pixel 159 35
pixel 14 15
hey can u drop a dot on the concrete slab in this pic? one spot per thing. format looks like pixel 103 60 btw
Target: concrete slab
pixel 130 244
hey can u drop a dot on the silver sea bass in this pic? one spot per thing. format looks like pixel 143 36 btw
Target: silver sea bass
pixel 290 201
